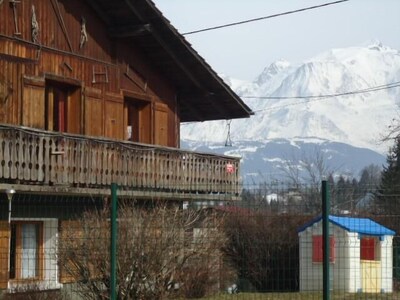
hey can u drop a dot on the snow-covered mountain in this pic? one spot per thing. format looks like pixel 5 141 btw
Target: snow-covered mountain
pixel 358 119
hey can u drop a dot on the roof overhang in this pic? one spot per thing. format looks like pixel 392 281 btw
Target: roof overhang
pixel 201 94
pixel 362 226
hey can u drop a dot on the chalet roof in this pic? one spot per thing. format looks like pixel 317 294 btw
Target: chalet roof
pixel 202 94
pixel 359 225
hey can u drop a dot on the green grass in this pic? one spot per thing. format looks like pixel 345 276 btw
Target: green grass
pixel 302 296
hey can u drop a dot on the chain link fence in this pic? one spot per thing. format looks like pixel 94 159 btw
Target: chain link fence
pixel 268 245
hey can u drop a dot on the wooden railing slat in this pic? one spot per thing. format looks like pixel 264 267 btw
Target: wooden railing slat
pixel 7 159
pixel 14 158
pixel 42 157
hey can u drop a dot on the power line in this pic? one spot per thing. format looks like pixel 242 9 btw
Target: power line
pixel 263 18
pixel 315 98
pixel 324 97
pixel 363 91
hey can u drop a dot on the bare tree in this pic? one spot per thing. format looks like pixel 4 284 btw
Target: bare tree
pixel 305 173
pixel 393 130
pixel 157 250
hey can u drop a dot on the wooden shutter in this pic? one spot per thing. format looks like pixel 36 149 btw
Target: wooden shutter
pixel 161 125
pixel 4 252
pixel 317 254
pixel 94 124
pixel 74 121
pixel 145 124
pixel 114 115
pixel 33 103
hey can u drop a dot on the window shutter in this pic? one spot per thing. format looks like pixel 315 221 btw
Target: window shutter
pixel 332 249
pixel 161 132
pixel 367 248
pixel 33 108
pixel 317 254
pixel 4 251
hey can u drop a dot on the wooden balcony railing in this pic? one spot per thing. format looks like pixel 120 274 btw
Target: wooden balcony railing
pixel 37 157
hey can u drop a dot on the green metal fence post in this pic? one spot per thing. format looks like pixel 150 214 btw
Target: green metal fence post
pixel 113 252
pixel 325 238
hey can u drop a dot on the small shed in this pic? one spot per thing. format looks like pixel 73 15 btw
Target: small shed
pixel 361 255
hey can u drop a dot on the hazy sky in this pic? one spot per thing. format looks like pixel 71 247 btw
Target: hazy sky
pixel 243 51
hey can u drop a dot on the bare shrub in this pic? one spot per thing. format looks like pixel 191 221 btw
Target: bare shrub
pixel 33 292
pixel 155 248
pixel 197 279
pixel 264 248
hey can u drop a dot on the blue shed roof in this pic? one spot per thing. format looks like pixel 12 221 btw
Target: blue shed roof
pixel 359 225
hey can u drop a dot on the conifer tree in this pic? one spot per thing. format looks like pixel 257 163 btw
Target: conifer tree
pixel 389 189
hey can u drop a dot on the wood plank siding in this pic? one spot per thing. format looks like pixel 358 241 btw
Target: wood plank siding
pixel 93 77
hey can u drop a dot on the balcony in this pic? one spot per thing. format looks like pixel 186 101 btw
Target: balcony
pixel 38 161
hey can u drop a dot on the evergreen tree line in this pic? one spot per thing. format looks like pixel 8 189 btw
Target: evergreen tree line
pixel 377 190
pixel 388 194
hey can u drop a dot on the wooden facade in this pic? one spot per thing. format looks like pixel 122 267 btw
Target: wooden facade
pixel 93 89
pixel 93 92
pixel 78 79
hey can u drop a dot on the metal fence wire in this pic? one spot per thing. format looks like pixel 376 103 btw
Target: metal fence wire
pixel 270 244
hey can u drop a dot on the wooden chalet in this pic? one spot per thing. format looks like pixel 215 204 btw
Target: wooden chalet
pixel 93 92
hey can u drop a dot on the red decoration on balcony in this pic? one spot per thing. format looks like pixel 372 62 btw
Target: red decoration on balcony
pixel 230 168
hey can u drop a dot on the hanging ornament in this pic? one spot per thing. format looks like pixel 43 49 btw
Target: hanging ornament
pixel 34 27
pixel 84 36
pixel 230 168
pixel 228 141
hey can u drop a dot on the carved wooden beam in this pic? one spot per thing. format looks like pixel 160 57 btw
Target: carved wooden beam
pixel 13 4
pixel 195 113
pixel 133 8
pixel 209 99
pixel 99 11
pixel 167 48
pixel 129 31
pixel 60 19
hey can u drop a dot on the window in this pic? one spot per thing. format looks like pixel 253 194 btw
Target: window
pixel 26 250
pixel 317 254
pixel 63 107
pixel 138 120
pixel 367 248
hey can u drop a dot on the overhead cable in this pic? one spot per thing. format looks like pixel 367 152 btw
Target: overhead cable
pixel 315 98
pixel 263 18
pixel 324 97
pixel 362 91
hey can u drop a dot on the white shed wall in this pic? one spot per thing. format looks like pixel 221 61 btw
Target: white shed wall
pixel 311 276
pixel 354 263
pixel 387 264
pixel 346 272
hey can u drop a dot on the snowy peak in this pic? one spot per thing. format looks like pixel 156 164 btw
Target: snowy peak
pixel 378 46
pixel 358 119
pixel 320 77
pixel 272 70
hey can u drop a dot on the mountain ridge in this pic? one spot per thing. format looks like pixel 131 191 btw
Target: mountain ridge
pixel 340 119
